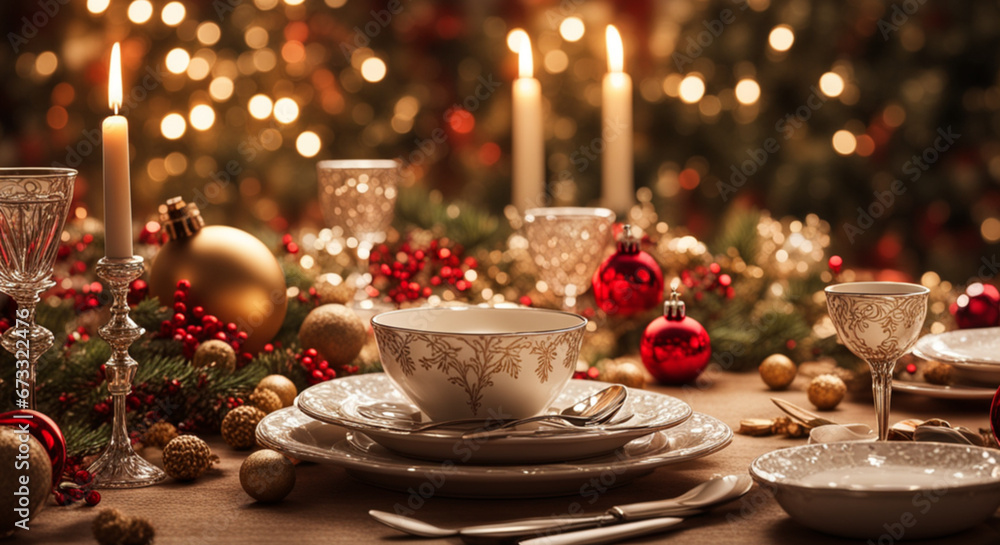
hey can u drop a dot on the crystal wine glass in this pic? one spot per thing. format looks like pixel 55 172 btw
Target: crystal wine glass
pixel 34 203
pixel 359 196
pixel 567 245
pixel 879 322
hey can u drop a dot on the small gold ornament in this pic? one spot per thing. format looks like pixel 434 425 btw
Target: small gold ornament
pixel 240 425
pixel 215 353
pixel 233 275
pixel 778 371
pixel 159 434
pixel 186 457
pixel 336 332
pixel 624 372
pixel 267 476
pixel 330 293
pixel 265 400
pixel 281 385
pixel 936 372
pixel 826 392
pixel 111 527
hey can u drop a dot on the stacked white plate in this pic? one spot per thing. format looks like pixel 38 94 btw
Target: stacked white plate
pixel 973 353
pixel 326 426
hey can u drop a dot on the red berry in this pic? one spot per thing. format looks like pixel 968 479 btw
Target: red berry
pixel 82 477
pixel 184 285
pixel 93 498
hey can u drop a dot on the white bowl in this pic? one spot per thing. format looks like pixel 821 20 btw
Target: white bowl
pixel 885 489
pixel 474 362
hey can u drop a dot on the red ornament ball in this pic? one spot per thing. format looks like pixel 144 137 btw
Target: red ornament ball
pixel 675 348
pixel 979 306
pixel 629 281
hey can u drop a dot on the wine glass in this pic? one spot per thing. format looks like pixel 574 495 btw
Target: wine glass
pixel 879 322
pixel 359 196
pixel 567 245
pixel 34 203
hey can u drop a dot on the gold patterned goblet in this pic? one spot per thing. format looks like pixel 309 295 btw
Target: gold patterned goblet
pixel 567 245
pixel 879 322
pixel 359 197
pixel 34 203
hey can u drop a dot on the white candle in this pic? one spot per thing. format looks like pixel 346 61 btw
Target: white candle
pixel 617 187
pixel 528 145
pixel 117 195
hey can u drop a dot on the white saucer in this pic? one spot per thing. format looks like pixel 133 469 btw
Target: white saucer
pixel 337 401
pixel 293 433
pixel 974 353
pixel 942 392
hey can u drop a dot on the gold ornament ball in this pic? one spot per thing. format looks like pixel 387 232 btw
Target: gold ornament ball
pixel 267 476
pixel 159 434
pixel 778 371
pixel 215 353
pixel 186 457
pixel 626 373
pixel 265 400
pixel 340 294
pixel 336 332
pixel 281 385
pixel 233 276
pixel 240 425
pixel 38 472
pixel 826 392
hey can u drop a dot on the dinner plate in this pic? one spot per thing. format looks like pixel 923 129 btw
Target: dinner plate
pixel 909 490
pixel 337 402
pixel 953 391
pixel 973 353
pixel 297 435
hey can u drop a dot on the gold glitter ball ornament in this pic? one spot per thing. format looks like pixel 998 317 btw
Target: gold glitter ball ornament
pixel 265 400
pixel 215 353
pixel 186 457
pixel 281 385
pixel 336 332
pixel 267 476
pixel 159 434
pixel 111 527
pixel 778 371
pixel 340 294
pixel 826 392
pixel 240 425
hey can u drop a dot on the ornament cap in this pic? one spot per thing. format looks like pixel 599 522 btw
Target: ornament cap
pixel 673 308
pixel 628 243
pixel 179 219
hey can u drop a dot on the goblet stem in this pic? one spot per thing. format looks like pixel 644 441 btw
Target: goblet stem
pixel 27 342
pixel 119 466
pixel 882 392
pixel 362 257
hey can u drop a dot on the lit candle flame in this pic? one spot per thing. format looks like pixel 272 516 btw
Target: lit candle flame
pixel 616 51
pixel 525 61
pixel 115 79
pixel 674 284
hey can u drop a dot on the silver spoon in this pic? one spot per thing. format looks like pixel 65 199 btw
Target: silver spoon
pixel 713 492
pixel 594 409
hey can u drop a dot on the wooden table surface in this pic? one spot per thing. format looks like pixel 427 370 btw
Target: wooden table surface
pixel 329 507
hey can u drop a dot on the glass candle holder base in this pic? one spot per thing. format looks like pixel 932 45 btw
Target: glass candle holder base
pixel 120 467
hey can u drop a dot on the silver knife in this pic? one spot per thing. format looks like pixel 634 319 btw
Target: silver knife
pixel 609 534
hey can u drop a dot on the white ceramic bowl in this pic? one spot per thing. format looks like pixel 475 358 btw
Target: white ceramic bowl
pixel 884 490
pixel 475 362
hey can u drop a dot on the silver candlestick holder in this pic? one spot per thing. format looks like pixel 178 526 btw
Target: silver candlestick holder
pixel 119 466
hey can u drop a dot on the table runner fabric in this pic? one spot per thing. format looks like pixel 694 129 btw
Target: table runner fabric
pixel 329 507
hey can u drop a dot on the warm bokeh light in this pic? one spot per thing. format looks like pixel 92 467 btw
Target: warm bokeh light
pixel 286 110
pixel 46 63
pixel 691 89
pixel 525 59
pixel 140 11
pixel 831 84
pixel 115 93
pixel 260 106
pixel 616 50
pixel 177 60
pixel 894 115
pixel 747 91
pixel 202 117
pixel 173 13
pixel 990 229
pixel 173 126
pixel 198 69
pixel 293 2
pixel 844 142
pixel 556 61
pixel 515 38
pixel 57 117
pixel 209 33
pixel 221 88
pixel 572 29
pixel 373 69
pixel 97 6
pixel 256 37
pixel 865 145
pixel 308 144
pixel 781 38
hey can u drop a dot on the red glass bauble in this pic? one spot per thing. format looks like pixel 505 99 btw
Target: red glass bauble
pixel 675 348
pixel 979 306
pixel 629 281
pixel 45 430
